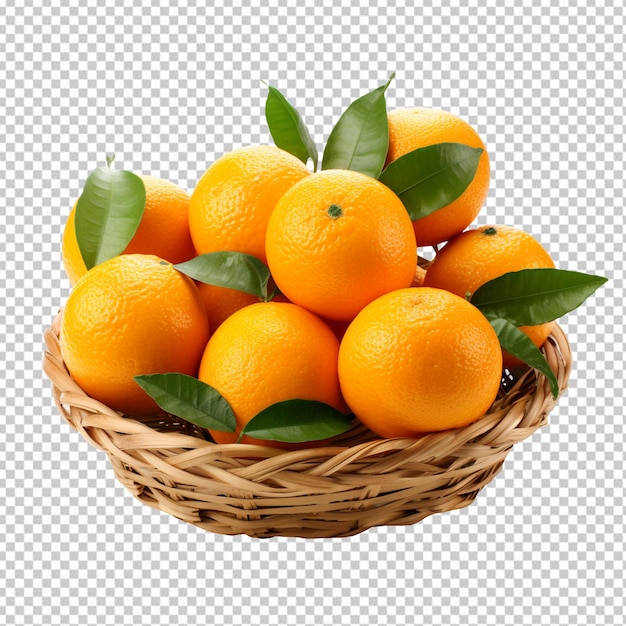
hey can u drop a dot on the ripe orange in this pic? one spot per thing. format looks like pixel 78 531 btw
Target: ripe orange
pixel 338 239
pixel 232 202
pixel 420 276
pixel 221 302
pixel 269 352
pixel 413 128
pixel 477 256
pixel 163 231
pixel 419 360
pixel 130 316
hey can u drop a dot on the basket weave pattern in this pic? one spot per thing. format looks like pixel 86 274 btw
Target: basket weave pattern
pixel 357 482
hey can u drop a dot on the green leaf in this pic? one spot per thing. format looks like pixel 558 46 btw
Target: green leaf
pixel 296 421
pixel 516 342
pixel 108 213
pixel 360 139
pixel 235 270
pixel 190 399
pixel 288 129
pixel 534 296
pixel 430 178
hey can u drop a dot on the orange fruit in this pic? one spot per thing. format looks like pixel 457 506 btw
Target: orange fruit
pixel 419 360
pixel 130 316
pixel 337 240
pixel 420 276
pixel 232 202
pixel 163 230
pixel 221 302
pixel 477 256
pixel 413 128
pixel 269 352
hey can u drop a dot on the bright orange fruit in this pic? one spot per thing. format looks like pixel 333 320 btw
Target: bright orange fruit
pixel 232 202
pixel 130 316
pixel 420 276
pixel 477 256
pixel 412 128
pixel 163 230
pixel 419 360
pixel 337 240
pixel 269 352
pixel 221 302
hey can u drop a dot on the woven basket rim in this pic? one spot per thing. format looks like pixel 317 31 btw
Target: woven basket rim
pixel 357 481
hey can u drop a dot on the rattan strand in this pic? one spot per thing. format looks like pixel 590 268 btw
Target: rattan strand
pixel 358 482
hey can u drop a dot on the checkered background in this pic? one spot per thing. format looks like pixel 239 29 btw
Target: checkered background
pixel 169 87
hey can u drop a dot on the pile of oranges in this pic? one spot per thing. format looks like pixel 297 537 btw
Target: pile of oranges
pixel 355 322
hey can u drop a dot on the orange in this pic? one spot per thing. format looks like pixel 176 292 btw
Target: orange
pixel 419 360
pixel 413 128
pixel 337 240
pixel 232 202
pixel 269 352
pixel 420 276
pixel 221 302
pixel 130 316
pixel 163 231
pixel 477 256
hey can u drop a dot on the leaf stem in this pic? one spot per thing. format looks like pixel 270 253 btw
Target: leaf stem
pixel 275 292
pixel 334 211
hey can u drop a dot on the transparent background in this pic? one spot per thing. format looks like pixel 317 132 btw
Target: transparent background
pixel 171 87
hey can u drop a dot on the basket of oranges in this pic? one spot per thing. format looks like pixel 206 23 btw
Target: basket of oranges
pixel 270 356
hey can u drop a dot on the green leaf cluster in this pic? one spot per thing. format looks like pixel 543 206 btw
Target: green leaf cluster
pixel 425 180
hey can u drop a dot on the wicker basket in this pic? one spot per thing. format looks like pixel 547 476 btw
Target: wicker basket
pixel 358 482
